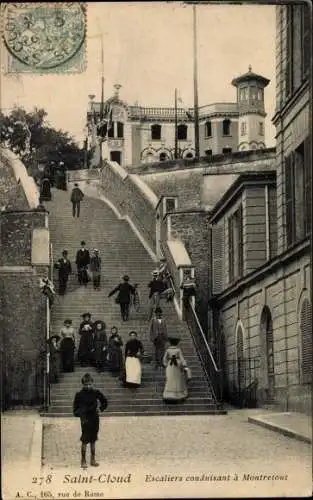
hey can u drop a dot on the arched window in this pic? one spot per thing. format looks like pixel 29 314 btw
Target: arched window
pixel 120 130
pixel 208 129
pixel 111 130
pixel 240 358
pixel 189 155
pixel 268 343
pixel 156 132
pixel 306 341
pixel 163 157
pixel 226 127
pixel 182 132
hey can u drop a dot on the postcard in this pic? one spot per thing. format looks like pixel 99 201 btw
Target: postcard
pixel 155 273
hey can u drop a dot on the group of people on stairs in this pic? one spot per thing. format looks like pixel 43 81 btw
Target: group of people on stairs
pixel 88 268
pixel 93 346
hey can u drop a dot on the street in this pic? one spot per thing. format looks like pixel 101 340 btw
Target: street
pixel 198 454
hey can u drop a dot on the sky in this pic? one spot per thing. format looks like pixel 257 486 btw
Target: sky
pixel 148 49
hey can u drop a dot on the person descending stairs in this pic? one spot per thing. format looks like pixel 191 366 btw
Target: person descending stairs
pixel 121 253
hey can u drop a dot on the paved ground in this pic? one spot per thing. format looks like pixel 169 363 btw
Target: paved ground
pixel 290 424
pixel 161 457
pixel 186 446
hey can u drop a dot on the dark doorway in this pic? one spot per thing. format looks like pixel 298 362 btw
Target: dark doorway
pixel 116 156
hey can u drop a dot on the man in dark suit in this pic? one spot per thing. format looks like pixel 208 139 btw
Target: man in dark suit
pixel 65 269
pixel 125 290
pixel 82 263
pixel 76 197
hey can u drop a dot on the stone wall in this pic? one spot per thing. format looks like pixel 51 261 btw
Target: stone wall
pixel 281 291
pixel 23 335
pixel 16 236
pixel 193 230
pixel 132 198
pixel 23 313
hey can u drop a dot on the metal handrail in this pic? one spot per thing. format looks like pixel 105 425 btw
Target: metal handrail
pixel 204 338
pixel 212 372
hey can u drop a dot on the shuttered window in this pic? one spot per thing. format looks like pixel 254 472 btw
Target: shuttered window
pixel 298 193
pixel 240 359
pixel 298 46
pixel 307 179
pixel 289 47
pixel 235 245
pixel 306 341
pixel 217 235
pixel 306 41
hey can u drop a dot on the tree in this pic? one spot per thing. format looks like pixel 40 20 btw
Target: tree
pixel 29 136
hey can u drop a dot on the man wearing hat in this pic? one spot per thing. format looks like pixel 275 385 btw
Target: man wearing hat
pixel 82 263
pixel 76 197
pixel 125 291
pixel 95 268
pixel 157 287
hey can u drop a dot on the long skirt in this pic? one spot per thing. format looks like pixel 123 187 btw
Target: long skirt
pixel 90 428
pixel 175 389
pixel 67 352
pixel 115 359
pixel 133 371
pixel 55 366
pixel 159 350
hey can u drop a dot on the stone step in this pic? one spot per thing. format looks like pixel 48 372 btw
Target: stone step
pixel 99 227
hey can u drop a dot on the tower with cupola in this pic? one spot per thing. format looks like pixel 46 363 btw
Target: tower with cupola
pixel 250 100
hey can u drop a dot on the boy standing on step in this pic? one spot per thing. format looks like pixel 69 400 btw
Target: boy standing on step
pixel 86 406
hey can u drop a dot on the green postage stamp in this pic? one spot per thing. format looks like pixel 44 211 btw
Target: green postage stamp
pixel 44 37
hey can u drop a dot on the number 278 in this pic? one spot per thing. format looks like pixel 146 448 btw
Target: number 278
pixel 42 479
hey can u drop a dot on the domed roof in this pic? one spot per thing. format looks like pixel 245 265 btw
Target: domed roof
pixel 246 77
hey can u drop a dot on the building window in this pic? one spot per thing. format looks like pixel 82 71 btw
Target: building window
pixel 208 152
pixel 156 132
pixel 170 205
pixel 243 128
pixel 120 130
pixel 298 46
pixel 235 245
pixel 240 358
pixel 298 193
pixel 260 95
pixel 226 127
pixel 182 132
pixel 226 151
pixel 163 157
pixel 306 341
pixel 208 129
pixel 306 41
pixel 261 128
pixel 111 130
pixel 242 94
pixel 189 156
pixel 268 343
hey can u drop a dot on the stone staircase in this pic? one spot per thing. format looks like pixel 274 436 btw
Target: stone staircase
pixel 121 253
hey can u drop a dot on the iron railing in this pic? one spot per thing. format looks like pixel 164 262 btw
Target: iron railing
pixel 212 372
pixel 241 382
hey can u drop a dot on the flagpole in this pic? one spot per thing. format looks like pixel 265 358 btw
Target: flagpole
pixel 195 82
pixel 176 137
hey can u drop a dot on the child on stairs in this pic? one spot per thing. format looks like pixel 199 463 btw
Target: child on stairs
pixel 86 406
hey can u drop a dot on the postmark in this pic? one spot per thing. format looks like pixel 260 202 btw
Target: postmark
pixel 44 37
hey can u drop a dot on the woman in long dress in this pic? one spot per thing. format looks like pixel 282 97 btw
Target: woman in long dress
pixel 85 350
pixel 133 351
pixel 175 390
pixel 55 358
pixel 67 346
pixel 100 344
pixel 115 354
